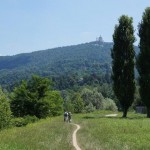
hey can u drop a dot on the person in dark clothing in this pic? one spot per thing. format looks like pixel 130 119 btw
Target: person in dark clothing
pixel 65 116
pixel 69 116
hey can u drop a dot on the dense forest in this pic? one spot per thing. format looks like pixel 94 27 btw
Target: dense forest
pixel 79 64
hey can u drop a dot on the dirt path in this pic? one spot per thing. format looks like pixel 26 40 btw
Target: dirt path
pixel 111 115
pixel 74 137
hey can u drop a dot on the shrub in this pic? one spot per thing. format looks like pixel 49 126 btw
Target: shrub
pixel 109 104
pixel 23 121
pixel 31 119
pixel 78 103
pixel 89 108
pixel 19 122
pixel 92 96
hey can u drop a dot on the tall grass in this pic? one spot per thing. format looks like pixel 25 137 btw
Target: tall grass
pixel 113 133
pixel 97 133
pixel 50 134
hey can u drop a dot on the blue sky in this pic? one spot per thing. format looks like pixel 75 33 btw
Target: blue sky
pixel 31 25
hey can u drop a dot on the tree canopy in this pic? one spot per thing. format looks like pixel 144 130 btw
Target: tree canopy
pixel 123 62
pixel 143 60
pixel 36 98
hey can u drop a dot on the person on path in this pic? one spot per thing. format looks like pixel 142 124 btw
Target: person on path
pixel 69 117
pixel 65 116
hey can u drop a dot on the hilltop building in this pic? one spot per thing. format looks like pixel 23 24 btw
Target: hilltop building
pixel 99 39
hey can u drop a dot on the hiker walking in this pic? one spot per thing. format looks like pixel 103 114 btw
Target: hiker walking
pixel 69 116
pixel 65 116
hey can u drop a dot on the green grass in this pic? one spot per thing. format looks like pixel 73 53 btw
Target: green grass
pixel 50 134
pixel 97 133
pixel 113 133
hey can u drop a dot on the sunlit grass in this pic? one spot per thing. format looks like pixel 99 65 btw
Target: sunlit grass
pixel 97 133
pixel 50 134
pixel 114 133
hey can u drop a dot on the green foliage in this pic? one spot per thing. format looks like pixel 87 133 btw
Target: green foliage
pixel 77 103
pixel 31 119
pixel 143 60
pixel 39 86
pixel 70 81
pixel 109 104
pixel 106 90
pixel 35 98
pixel 55 103
pixel 83 64
pixel 21 103
pixel 68 106
pixel 137 99
pixel 19 122
pixel 92 96
pixel 123 62
pixel 91 61
pixel 5 113
pixel 23 121
pixel 89 108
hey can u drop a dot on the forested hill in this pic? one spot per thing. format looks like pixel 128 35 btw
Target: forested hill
pixel 93 51
pixel 82 59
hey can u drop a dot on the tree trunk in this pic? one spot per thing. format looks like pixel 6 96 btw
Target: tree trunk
pixel 148 112
pixel 125 110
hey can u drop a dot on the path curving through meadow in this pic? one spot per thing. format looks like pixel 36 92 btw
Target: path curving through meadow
pixel 74 137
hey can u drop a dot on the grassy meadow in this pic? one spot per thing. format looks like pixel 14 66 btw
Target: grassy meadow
pixel 97 133
pixel 49 134
pixel 113 133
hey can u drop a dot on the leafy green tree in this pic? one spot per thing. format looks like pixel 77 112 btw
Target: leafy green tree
pixel 92 96
pixel 68 106
pixel 143 60
pixel 67 103
pixel 21 103
pixel 5 113
pixel 77 103
pixel 109 104
pixel 55 103
pixel 39 86
pixel 123 62
pixel 89 108
pixel 97 100
pixel 87 96
pixel 106 90
pixel 35 98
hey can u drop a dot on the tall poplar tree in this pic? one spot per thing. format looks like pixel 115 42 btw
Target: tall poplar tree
pixel 143 60
pixel 123 62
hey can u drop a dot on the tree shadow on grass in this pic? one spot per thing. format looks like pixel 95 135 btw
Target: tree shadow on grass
pixel 89 117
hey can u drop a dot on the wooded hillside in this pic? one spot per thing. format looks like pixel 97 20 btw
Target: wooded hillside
pixel 82 59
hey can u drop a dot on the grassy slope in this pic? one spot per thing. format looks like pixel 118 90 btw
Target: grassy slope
pixel 50 134
pixel 97 133
pixel 101 133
